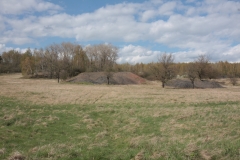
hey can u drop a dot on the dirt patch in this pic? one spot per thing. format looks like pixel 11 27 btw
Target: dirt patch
pixel 16 156
pixel 185 83
pixel 121 78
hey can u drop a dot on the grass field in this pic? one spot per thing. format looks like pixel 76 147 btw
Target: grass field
pixel 41 119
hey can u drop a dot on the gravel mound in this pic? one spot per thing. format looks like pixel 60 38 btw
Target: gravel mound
pixel 101 78
pixel 185 83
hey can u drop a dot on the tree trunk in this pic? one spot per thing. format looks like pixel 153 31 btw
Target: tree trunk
pixel 108 80
pixel 58 76
pixel 163 84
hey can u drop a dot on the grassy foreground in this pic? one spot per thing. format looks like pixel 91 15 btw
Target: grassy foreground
pixel 127 131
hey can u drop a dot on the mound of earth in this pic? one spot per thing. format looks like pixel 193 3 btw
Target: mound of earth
pixel 101 78
pixel 185 83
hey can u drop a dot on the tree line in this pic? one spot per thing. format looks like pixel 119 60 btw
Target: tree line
pixel 66 60
pixel 60 60
pixel 201 68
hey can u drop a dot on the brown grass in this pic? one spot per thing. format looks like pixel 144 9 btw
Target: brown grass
pixel 139 156
pixel 150 121
pixel 2 151
pixel 16 156
pixel 50 92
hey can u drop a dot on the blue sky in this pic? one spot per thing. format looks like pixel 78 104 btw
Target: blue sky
pixel 141 29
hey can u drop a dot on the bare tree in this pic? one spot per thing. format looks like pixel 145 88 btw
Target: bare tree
pixel 51 58
pixel 59 60
pixel 108 59
pixel 233 70
pixel 202 66
pixel 109 74
pixel 101 57
pixel 108 56
pixel 92 54
pixel 27 63
pixel 164 69
pixel 11 61
pixel 67 52
pixel 1 64
pixel 40 62
pixel 80 60
pixel 212 72
pixel 192 73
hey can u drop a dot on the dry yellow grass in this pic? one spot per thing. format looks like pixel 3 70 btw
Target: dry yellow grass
pixel 51 92
pixel 133 121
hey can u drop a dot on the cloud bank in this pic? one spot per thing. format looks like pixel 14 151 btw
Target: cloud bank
pixel 192 27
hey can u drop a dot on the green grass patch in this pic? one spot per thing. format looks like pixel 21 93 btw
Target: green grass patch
pixel 119 131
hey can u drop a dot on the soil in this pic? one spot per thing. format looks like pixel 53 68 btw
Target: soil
pixel 186 83
pixel 120 78
pixel 124 78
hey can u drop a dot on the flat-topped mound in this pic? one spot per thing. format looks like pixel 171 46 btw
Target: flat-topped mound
pixel 186 83
pixel 101 78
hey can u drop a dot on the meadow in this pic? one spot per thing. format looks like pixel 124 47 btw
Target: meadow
pixel 43 119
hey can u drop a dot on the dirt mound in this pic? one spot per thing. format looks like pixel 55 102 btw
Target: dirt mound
pixel 101 78
pixel 185 83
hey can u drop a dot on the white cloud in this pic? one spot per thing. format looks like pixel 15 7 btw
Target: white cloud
pixel 134 54
pixel 3 48
pixel 187 56
pixel 167 8
pixel 233 54
pixel 209 27
pixel 218 7
pixel 146 15
pixel 16 7
pixel 119 9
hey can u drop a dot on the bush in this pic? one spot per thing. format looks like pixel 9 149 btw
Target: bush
pixel 233 81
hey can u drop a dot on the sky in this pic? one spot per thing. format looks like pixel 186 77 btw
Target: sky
pixel 141 29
